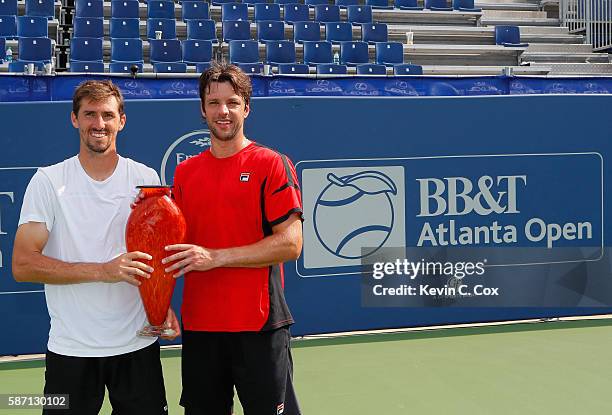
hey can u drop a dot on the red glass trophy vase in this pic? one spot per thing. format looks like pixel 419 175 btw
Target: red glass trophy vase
pixel 155 222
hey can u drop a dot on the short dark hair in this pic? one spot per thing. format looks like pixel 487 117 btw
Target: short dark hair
pixel 225 72
pixel 96 91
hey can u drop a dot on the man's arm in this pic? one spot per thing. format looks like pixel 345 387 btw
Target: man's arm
pixel 30 265
pixel 285 244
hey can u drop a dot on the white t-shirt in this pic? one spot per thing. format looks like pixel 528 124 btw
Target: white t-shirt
pixel 86 220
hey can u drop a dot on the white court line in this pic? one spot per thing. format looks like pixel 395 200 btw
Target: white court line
pixel 21 292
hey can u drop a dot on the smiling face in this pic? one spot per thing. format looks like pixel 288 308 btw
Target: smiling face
pixel 224 111
pixel 98 123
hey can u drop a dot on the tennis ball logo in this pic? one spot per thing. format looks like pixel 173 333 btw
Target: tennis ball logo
pixel 354 212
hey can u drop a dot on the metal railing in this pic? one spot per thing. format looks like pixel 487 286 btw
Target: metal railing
pixel 591 17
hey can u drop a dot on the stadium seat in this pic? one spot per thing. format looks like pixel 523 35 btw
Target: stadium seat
pixel 88 27
pixel 407 69
pixel 338 32
pixel 8 7
pixel 2 48
pixel 378 4
pixel 282 51
pixel 197 51
pixel 244 51
pixel 296 13
pixel 254 2
pixel 8 27
pixel 346 3
pixel 331 69
pixel 35 49
pixel 251 68
pixel 389 53
pixel 315 2
pixel 124 67
pixel 44 8
pixel 359 14
pixel 19 66
pixel 325 13
pixel 160 9
pixel 165 50
pixel 374 32
pixel 169 67
pixel 195 10
pixel 293 69
pixel 437 5
pixel 126 50
pixel 318 52
pixel 465 6
pixel 87 49
pixel 124 9
pixel 79 66
pixel 88 8
pixel 202 30
pixel 221 2
pixel 353 53
pixel 306 31
pixel 284 1
pixel 509 36
pixel 371 69
pixel 266 12
pixel 166 26
pixel 407 5
pixel 201 67
pixel 270 30
pixel 234 11
pixel 125 28
pixel 236 30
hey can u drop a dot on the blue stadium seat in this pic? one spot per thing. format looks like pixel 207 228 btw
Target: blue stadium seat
pixel 379 4
pixel 509 36
pixel 270 30
pixel 202 30
pixel 124 67
pixel 126 50
pixel 306 31
pixel 79 66
pixel 35 49
pixel 353 53
pixel 236 30
pixel 407 5
pixel 326 13
pixel 170 67
pixel 254 2
pixel 125 28
pixel 296 13
pixel 251 68
pixel 389 53
pixel 165 50
pixel 87 49
pixel 346 3
pixel 266 12
pixel 293 69
pixel 315 2
pixel 407 69
pixel 8 7
pixel 371 69
pixel 234 11
pixel 244 51
pixel 160 9
pixel 221 2
pixel 2 48
pixel 8 27
pixel 44 8
pixel 374 32
pixel 201 67
pixel 331 69
pixel 18 66
pixel 88 27
pixel 359 14
pixel 125 9
pixel 32 26
pixel 437 5
pixel 89 8
pixel 318 52
pixel 282 51
pixel 285 1
pixel 338 32
pixel 195 10
pixel 465 6
pixel 197 51
pixel 167 27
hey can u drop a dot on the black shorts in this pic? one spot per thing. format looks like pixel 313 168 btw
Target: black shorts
pixel 258 364
pixel 134 381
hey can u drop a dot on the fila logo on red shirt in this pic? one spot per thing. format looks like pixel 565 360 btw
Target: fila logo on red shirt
pixel 244 177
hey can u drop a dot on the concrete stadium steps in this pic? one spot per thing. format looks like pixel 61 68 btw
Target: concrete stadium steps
pixel 526 5
pixel 518 18
pixel 484 70
pixel 581 69
pixel 557 57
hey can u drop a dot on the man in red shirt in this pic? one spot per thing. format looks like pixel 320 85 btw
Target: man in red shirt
pixel 243 209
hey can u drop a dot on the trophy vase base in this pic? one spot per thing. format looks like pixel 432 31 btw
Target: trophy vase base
pixel 156 331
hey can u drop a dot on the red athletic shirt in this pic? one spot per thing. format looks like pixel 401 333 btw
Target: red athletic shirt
pixel 230 202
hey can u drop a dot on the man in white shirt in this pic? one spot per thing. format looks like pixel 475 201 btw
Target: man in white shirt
pixel 71 237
